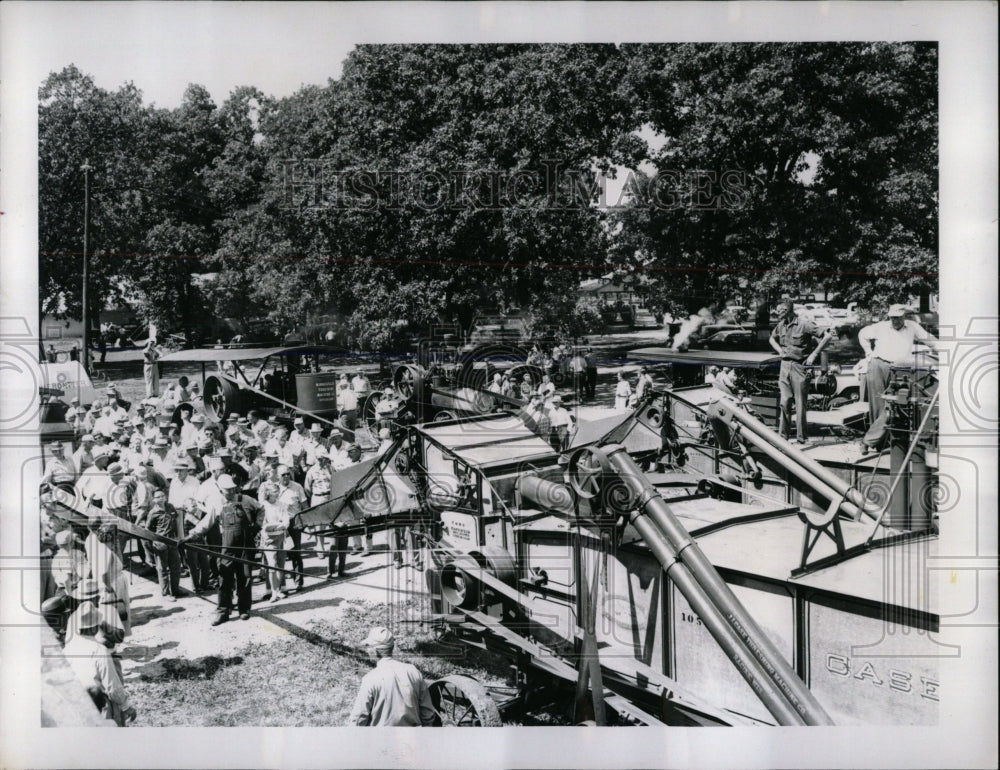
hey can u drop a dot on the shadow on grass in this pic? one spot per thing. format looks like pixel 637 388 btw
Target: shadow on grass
pixel 180 668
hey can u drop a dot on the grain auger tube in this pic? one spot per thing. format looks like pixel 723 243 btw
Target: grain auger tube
pixel 610 475
pixel 795 461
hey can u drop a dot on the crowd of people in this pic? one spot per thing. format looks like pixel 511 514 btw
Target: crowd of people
pixel 213 503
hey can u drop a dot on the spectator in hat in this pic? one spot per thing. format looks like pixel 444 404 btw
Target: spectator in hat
pixel 337 448
pixel 292 497
pixel 644 384
pixel 252 465
pixel 235 520
pixel 233 468
pixel 347 405
pixel 83 457
pixel 793 338
pixel 182 486
pixel 310 445
pixel 361 386
pixel 886 344
pixel 274 532
pixel 316 484
pixel 60 470
pixel 393 694
pixel 198 559
pixel 162 521
pixel 89 653
pixel 68 568
pixel 151 367
pixel 299 434
pixel 560 423
pixel 105 423
pixel 92 483
pixel 286 453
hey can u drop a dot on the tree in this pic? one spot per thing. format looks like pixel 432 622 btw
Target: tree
pixel 791 166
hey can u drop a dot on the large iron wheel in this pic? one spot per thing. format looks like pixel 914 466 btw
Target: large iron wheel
pixel 461 701
pixel 221 398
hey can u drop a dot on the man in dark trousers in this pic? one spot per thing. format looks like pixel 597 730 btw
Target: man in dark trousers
pixel 793 339
pixel 235 517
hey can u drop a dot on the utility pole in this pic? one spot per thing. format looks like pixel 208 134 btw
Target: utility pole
pixel 86 168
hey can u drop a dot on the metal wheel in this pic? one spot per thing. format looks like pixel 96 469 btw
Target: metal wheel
pixel 221 398
pixel 461 701
pixel 368 417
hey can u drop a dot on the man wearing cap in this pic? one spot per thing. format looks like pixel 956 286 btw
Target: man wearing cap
pixel 91 483
pixel 106 569
pixel 361 386
pixel 886 344
pixel 162 520
pixel 252 465
pixel 235 521
pixel 792 338
pixel 89 654
pixel 59 470
pixel 394 693
pixel 560 422
pixel 233 468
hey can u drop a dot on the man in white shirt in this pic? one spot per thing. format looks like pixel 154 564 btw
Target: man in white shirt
pixel 83 457
pixel 347 405
pixel 293 498
pixel 886 344
pixel 360 385
pixel 59 469
pixel 560 422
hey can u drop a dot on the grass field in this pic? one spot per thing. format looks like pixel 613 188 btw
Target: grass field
pixel 306 680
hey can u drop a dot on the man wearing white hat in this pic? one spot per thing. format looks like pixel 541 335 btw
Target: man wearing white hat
pixel 559 422
pixel 347 404
pixel 234 521
pixel 886 344
pixel 83 457
pixel 394 693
